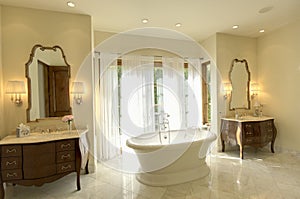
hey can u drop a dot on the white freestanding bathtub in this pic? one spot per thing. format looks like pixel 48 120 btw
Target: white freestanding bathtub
pixel 178 157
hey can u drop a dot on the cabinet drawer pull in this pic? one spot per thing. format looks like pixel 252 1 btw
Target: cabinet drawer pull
pixel 11 150
pixel 65 146
pixel 248 125
pixel 65 156
pixel 10 163
pixel 10 175
pixel 65 167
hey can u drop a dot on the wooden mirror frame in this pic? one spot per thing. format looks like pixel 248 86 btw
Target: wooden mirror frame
pixel 248 84
pixel 27 65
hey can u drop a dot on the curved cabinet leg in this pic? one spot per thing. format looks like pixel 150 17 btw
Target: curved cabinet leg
pixel 1 190
pixel 272 144
pixel 241 152
pixel 274 137
pixel 272 147
pixel 87 167
pixel 78 164
pixel 78 182
pixel 223 145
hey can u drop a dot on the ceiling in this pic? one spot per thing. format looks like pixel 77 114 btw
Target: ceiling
pixel 199 18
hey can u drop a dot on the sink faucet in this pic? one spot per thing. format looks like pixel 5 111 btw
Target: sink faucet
pixel 239 115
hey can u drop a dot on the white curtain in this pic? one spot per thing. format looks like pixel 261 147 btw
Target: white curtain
pixel 194 104
pixel 173 92
pixel 137 99
pixel 106 103
pixel 127 109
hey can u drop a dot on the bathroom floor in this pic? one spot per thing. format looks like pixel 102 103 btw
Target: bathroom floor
pixel 261 175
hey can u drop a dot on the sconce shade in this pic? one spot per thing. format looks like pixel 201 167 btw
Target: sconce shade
pixel 254 87
pixel 15 87
pixel 77 88
pixel 227 87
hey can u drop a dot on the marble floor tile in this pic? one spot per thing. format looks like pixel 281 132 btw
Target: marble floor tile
pixel 144 190
pixel 125 194
pixel 261 175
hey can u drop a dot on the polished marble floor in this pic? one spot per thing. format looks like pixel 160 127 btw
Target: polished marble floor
pixel 261 175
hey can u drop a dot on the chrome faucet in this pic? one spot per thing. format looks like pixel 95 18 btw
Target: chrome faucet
pixel 164 125
pixel 48 130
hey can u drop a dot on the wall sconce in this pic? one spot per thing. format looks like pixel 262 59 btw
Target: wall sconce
pixel 227 90
pixel 15 89
pixel 78 90
pixel 254 90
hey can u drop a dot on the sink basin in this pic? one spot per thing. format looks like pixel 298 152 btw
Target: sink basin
pixel 253 118
pixel 38 137
pixel 248 117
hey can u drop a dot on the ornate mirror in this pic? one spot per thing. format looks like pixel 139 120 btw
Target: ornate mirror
pixel 239 76
pixel 48 75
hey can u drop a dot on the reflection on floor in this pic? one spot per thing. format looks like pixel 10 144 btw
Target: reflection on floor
pixel 260 175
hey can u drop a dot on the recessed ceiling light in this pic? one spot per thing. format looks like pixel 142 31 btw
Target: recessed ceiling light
pixel 235 27
pixel 178 25
pixel 262 30
pixel 144 21
pixel 71 4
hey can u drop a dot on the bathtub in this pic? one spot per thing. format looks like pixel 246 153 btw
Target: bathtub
pixel 172 157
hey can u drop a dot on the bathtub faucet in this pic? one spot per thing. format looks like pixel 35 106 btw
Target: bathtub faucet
pixel 164 122
pixel 164 126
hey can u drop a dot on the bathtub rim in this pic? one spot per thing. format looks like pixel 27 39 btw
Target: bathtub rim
pixel 211 137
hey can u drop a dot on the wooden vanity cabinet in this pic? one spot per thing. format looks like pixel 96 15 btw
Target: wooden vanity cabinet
pixel 257 133
pixel 38 163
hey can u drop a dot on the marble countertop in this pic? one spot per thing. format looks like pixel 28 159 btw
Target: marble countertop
pixel 248 118
pixel 43 137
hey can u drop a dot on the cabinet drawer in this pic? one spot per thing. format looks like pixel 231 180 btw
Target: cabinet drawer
pixel 38 155
pixel 65 167
pixel 65 145
pixel 253 140
pixel 248 129
pixel 11 163
pixel 15 174
pixel 267 127
pixel 251 129
pixel 229 129
pixel 65 156
pixel 229 126
pixel 39 172
pixel 11 150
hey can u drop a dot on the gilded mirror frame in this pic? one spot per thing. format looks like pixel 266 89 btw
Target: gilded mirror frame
pixel 243 61
pixel 27 65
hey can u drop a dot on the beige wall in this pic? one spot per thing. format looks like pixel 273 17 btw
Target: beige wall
pixel 1 81
pixel 23 28
pixel 100 36
pixel 279 76
pixel 274 63
pixel 223 48
pixel 210 46
pixel 228 48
